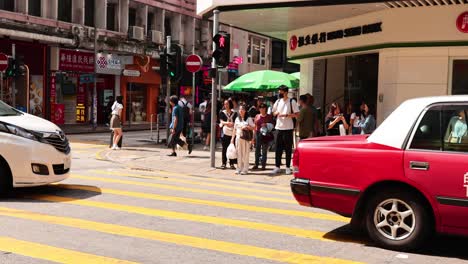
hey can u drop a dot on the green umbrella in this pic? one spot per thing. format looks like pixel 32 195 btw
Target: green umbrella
pixel 262 81
pixel 296 74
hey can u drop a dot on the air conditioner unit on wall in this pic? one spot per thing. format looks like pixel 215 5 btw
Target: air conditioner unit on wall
pixel 78 31
pixel 156 37
pixel 137 33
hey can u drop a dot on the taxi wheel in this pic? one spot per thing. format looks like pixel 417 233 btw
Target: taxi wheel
pixel 398 220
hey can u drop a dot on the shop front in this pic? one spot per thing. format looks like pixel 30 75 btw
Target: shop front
pixel 29 86
pixel 384 57
pixel 71 87
pixel 140 88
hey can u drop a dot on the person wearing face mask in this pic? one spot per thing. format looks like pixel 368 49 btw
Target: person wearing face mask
pixel 285 109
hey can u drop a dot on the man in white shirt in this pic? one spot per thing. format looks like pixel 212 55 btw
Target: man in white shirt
pixel 202 108
pixel 285 109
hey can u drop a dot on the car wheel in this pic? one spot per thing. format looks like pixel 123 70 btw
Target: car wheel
pixel 398 220
pixel 6 182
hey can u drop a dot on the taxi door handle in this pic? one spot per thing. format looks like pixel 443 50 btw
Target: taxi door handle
pixel 418 165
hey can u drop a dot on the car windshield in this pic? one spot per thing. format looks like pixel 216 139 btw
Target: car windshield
pixel 6 110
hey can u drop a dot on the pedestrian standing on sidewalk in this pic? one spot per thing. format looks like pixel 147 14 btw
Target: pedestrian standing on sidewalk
pixel 161 111
pixel 244 127
pixel 306 119
pixel 206 125
pixel 116 123
pixel 263 136
pixel 226 122
pixel 285 109
pixel 177 125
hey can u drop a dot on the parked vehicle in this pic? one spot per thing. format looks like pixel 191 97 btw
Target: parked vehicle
pixel 402 183
pixel 33 151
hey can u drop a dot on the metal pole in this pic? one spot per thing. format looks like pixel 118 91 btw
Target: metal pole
pixel 1 85
pixel 13 80
pixel 130 105
pixel 213 95
pixel 193 107
pixel 168 92
pixel 94 106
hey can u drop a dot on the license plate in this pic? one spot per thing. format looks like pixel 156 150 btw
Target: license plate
pixel 66 163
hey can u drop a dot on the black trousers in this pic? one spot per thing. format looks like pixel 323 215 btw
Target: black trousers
pixel 284 142
pixel 226 141
pixel 175 140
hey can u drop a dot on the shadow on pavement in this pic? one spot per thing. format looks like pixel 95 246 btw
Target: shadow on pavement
pixel 30 194
pixel 440 245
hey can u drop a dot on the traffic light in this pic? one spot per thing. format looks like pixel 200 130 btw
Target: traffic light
pixel 11 69
pixel 222 53
pixel 163 63
pixel 174 63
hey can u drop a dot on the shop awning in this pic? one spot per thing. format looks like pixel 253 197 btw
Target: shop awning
pixel 280 16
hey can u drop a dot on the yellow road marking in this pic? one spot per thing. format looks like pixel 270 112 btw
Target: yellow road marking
pixel 59 255
pixel 185 189
pixel 190 241
pixel 250 184
pixel 87 146
pixel 311 234
pixel 200 182
pixel 177 199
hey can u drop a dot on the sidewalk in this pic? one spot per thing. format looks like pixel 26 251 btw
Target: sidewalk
pixel 198 163
pixel 88 129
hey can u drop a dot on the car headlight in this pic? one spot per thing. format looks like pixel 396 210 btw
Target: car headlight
pixel 18 131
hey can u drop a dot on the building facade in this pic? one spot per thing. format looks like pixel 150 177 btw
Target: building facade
pixel 56 41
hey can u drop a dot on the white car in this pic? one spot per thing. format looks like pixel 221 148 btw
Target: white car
pixel 33 151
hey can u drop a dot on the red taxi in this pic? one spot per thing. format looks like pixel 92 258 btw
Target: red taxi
pixel 401 184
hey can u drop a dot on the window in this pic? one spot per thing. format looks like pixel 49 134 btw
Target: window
pixel 428 132
pixel 150 22
pixel 8 5
pixel 34 7
pixel 111 16
pixel 64 10
pixel 131 17
pixel 256 51
pixel 454 128
pixel 89 13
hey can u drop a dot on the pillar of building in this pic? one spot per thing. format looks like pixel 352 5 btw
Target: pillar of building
pixel 21 6
pixel 159 17
pixel 78 12
pixel 123 7
pixel 176 28
pixel 307 77
pixel 49 9
pixel 100 8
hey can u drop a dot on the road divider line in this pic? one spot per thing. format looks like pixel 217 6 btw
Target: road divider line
pixel 177 199
pixel 55 254
pixel 186 189
pixel 250 184
pixel 190 241
pixel 199 182
pixel 297 232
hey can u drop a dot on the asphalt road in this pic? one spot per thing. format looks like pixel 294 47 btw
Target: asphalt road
pixel 108 212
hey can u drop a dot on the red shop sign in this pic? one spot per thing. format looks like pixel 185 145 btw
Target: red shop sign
pixel 77 61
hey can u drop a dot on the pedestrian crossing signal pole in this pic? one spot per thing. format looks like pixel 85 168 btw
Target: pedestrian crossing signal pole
pixel 213 94
pixel 168 89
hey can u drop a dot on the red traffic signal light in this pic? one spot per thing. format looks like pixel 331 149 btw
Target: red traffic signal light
pixel 222 52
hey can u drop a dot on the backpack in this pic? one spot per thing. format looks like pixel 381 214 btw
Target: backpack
pixel 186 113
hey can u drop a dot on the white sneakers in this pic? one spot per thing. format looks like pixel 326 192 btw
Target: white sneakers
pixel 277 170
pixel 115 147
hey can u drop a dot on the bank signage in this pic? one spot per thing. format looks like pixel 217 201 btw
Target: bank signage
pixel 323 37
pixel 109 64
pixel 462 22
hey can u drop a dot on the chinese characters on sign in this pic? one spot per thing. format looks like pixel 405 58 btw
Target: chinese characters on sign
pixel 77 61
pixel 323 37
pixel 465 183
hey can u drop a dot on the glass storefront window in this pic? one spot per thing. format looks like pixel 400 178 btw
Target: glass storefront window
pixel 135 106
pixel 460 76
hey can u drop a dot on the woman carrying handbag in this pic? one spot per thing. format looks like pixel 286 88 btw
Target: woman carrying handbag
pixel 243 127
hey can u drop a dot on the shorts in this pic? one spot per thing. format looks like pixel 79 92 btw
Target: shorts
pixel 115 122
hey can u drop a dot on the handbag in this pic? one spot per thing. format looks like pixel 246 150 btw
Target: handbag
pixel 247 135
